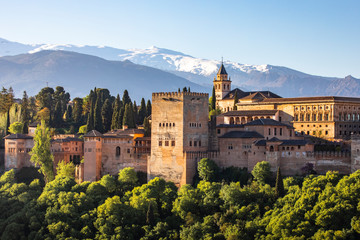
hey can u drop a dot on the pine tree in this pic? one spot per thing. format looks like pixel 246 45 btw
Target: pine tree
pixel 25 113
pixel 115 124
pixel 106 114
pixel 142 112
pixel 179 90
pixel 126 99
pixel 148 109
pixel 97 116
pixel 279 186
pixel 40 153
pixel 213 99
pixel 129 116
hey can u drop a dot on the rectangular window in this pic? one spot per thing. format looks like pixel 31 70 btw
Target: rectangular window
pixel 190 143
pixel 290 132
pixel 218 131
pixel 89 149
pixel 166 143
pixel 280 131
pixel 173 143
pixel 160 143
pixel 269 131
pixel 275 131
pixel 199 143
pixel 195 143
pixel 128 150
pixel 326 132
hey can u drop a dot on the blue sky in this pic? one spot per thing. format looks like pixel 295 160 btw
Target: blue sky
pixel 320 37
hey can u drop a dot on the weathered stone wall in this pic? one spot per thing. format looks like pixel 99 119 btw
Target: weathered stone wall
pixel 179 123
pixel 355 153
pixel 92 159
pixel 17 153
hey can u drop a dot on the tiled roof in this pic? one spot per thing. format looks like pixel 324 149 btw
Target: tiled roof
pixel 93 133
pixel 230 126
pixel 267 122
pixel 294 142
pixel 18 136
pixel 67 139
pixel 250 112
pixel 242 134
pixel 261 142
pixel 222 70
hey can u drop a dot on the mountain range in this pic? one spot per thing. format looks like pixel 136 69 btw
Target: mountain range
pixel 176 70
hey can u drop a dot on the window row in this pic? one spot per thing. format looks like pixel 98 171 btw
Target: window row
pixel 20 150
pixel 226 86
pixel 349 117
pixel 166 124
pixel 315 133
pixel 275 132
pixel 167 143
pixel 195 143
pixel 195 124
pixel 311 117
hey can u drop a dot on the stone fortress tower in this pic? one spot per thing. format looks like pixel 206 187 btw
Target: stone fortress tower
pixel 179 125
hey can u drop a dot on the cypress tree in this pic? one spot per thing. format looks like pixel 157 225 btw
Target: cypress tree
pixel 148 108
pixel 126 99
pixel 97 116
pixel 213 99
pixel 150 216
pixel 7 122
pixel 68 114
pixel 120 116
pixel 25 114
pixel 77 111
pixel 179 90
pixel 135 110
pixel 279 186
pixel 115 124
pixel 90 119
pixel 129 116
pixel 147 127
pixel 236 99
pixel 106 115
pixel 58 117
pixel 142 112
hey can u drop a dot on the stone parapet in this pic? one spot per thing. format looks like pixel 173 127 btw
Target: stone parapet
pixel 178 94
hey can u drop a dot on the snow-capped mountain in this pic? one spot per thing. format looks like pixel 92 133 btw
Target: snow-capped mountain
pixel 281 80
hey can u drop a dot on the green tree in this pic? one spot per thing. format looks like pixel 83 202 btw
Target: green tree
pixel 150 216
pixel 64 169
pixel 236 100
pixel 45 99
pixel 279 185
pixel 90 120
pixel 83 129
pixel 208 170
pixel 68 114
pixel 77 111
pixel 135 111
pixel 40 153
pixel 142 112
pixel 129 116
pixel 261 172
pixel 147 127
pixel 16 127
pixel 126 99
pixel 213 100
pixel 58 116
pixel 98 125
pixel 25 112
pixel 106 115
pixel 148 108
pixel 115 124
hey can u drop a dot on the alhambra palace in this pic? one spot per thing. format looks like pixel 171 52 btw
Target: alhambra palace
pixel 253 126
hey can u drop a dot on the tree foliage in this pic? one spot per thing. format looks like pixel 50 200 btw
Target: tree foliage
pixel 261 172
pixel 16 127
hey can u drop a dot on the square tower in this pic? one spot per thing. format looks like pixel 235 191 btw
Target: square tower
pixel 179 124
pixel 222 83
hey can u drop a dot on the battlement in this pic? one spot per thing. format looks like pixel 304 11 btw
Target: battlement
pixel 178 94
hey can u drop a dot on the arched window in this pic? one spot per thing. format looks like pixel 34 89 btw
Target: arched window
pixel 117 151
pixel 271 148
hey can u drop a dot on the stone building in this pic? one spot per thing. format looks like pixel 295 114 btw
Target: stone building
pixel 17 148
pixel 331 118
pixel 109 152
pixel 179 124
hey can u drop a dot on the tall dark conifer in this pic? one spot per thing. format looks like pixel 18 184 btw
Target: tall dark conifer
pixel 147 127
pixel 213 99
pixel 25 112
pixel 68 114
pixel 90 118
pixel 97 115
pixel 77 111
pixel 279 186
pixel 135 111
pixel 115 124
pixel 236 99
pixel 129 116
pixel 126 99
pixel 58 117
pixel 148 108
pixel 142 112
pixel 106 114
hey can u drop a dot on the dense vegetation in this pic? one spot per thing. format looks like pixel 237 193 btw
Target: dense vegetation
pixel 99 110
pixel 119 207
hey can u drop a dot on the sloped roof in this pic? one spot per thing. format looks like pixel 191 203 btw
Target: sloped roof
pixel 18 136
pixel 249 95
pixel 242 134
pixel 293 142
pixel 67 139
pixel 230 126
pixel 93 133
pixel 261 142
pixel 267 122
pixel 250 112
pixel 222 70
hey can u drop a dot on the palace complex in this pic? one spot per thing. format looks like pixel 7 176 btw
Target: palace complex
pixel 253 127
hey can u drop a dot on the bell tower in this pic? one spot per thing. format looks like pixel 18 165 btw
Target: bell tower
pixel 222 83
